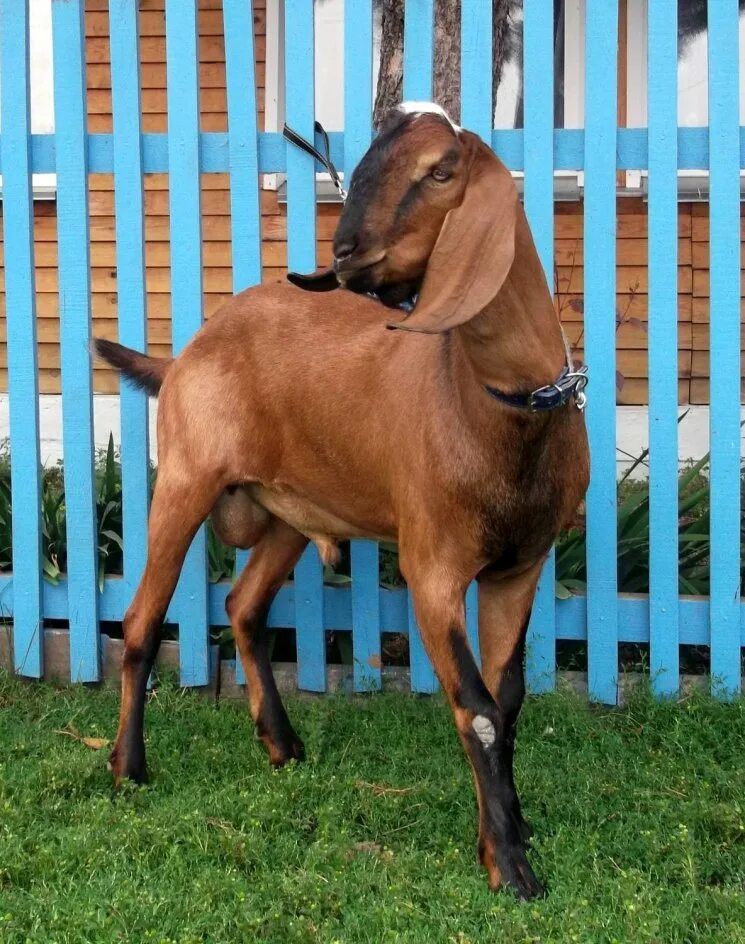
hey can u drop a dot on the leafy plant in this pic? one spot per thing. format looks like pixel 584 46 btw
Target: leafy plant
pixel 633 537
pixel 109 515
pixel 220 558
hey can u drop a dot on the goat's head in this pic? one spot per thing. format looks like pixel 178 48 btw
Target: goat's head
pixel 430 207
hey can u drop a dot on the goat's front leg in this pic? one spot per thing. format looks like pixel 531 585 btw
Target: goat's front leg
pixel 483 727
pixel 504 612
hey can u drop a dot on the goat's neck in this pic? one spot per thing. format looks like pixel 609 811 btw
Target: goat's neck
pixel 515 344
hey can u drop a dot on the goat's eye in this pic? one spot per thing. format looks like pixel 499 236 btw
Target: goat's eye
pixel 440 175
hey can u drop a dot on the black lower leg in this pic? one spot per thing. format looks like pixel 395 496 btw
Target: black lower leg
pixel 510 697
pixel 273 725
pixel 127 759
pixel 487 741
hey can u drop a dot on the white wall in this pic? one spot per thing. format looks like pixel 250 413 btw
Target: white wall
pixel 632 434
pixel 105 421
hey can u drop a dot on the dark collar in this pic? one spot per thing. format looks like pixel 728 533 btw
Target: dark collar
pixel 405 304
pixel 569 383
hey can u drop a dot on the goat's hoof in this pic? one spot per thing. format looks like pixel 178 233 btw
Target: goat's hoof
pixel 282 753
pixel 133 769
pixel 509 868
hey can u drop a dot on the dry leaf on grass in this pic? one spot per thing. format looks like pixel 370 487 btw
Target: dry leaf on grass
pixel 95 744
pixel 380 789
pixel 372 848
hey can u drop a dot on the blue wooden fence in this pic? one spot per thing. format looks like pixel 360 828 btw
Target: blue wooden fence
pixel 603 617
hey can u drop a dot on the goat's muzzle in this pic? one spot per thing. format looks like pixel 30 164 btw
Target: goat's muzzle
pixel 357 274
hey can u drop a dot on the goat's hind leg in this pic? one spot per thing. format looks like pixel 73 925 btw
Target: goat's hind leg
pixel 180 504
pixel 272 559
pixel 482 724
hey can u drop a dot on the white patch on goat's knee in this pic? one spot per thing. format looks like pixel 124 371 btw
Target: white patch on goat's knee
pixel 428 108
pixel 484 730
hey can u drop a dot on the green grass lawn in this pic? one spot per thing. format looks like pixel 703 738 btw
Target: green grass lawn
pixel 639 817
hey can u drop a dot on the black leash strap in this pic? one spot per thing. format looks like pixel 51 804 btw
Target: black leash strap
pixel 294 138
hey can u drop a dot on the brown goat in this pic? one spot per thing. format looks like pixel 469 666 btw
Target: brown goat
pixel 294 416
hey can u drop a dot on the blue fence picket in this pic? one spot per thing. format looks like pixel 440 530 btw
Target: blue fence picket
pixel 601 51
pixel 724 345
pixel 538 85
pixel 358 45
pixel 417 84
pixel 129 207
pixel 476 115
pixel 472 620
pixel 418 50
pixel 476 109
pixel 23 384
pixel 423 678
pixel 182 72
pixel 358 73
pixel 245 208
pixel 662 58
pixel 301 256
pixel 366 648
pixel 75 330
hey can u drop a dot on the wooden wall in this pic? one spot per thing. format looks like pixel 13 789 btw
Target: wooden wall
pixel 631 244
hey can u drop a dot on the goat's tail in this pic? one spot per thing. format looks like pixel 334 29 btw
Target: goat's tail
pixel 147 373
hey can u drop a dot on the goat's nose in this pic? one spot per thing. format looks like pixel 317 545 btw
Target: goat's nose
pixel 343 250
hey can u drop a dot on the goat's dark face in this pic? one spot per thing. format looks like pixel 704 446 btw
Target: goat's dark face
pixel 414 173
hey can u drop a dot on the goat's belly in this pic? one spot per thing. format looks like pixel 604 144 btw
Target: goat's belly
pixel 322 527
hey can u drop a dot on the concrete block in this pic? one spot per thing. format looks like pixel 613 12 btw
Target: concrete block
pixel 6 648
pixel 57 656
pixel 229 688
pixel 112 653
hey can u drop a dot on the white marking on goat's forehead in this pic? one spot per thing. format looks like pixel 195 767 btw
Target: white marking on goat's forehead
pixel 484 730
pixel 428 108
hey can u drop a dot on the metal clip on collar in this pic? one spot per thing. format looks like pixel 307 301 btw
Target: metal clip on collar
pixel 569 383
pixel 294 138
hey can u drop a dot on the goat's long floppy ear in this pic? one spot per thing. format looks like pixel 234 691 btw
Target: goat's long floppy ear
pixel 324 280
pixel 473 253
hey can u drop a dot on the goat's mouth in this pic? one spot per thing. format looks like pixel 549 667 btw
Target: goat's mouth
pixel 359 275
pixel 366 277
